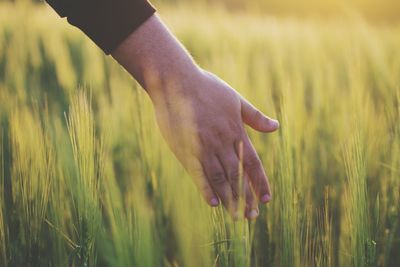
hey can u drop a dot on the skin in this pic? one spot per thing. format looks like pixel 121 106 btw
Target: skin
pixel 201 118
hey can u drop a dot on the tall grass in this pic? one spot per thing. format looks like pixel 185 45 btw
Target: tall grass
pixel 361 247
pixel 32 175
pixel 87 180
pixel 85 183
pixel 288 200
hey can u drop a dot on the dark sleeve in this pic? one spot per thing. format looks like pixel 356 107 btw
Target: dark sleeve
pixel 106 22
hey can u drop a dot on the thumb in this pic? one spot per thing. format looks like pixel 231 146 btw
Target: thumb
pixel 256 119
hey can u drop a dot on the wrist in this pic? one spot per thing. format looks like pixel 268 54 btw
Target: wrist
pixel 169 79
pixel 156 59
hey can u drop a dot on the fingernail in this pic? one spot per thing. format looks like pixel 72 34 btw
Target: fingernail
pixel 214 202
pixel 265 198
pixel 252 214
pixel 275 123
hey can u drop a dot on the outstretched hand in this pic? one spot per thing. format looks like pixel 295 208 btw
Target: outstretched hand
pixel 202 119
pixel 203 125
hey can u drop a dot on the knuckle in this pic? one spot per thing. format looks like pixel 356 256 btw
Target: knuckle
pixel 253 163
pixel 218 178
pixel 234 174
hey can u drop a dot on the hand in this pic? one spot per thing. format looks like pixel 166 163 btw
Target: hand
pixel 201 117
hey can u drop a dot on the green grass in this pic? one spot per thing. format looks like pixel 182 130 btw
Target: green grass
pixel 87 180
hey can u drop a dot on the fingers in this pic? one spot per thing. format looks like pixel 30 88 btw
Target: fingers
pixel 251 210
pixel 256 119
pixel 201 181
pixel 253 167
pixel 220 184
pixel 218 179
pixel 240 185
pixel 231 165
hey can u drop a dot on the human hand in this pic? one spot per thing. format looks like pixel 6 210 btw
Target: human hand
pixel 202 119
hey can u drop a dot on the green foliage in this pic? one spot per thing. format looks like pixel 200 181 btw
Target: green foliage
pixel 87 180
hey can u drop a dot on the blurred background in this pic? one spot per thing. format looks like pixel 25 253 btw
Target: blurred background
pixel 87 180
pixel 377 10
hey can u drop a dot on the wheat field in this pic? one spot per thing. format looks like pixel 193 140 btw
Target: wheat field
pixel 87 180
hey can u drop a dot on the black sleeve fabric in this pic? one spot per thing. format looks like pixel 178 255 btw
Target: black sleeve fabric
pixel 106 22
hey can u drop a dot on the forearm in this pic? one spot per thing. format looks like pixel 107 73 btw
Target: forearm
pixel 155 58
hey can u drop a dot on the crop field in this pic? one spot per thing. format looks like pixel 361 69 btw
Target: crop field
pixel 87 180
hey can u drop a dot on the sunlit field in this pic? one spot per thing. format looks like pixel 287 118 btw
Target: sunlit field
pixel 87 180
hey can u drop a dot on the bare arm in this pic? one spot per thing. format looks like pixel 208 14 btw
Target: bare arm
pixel 201 117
